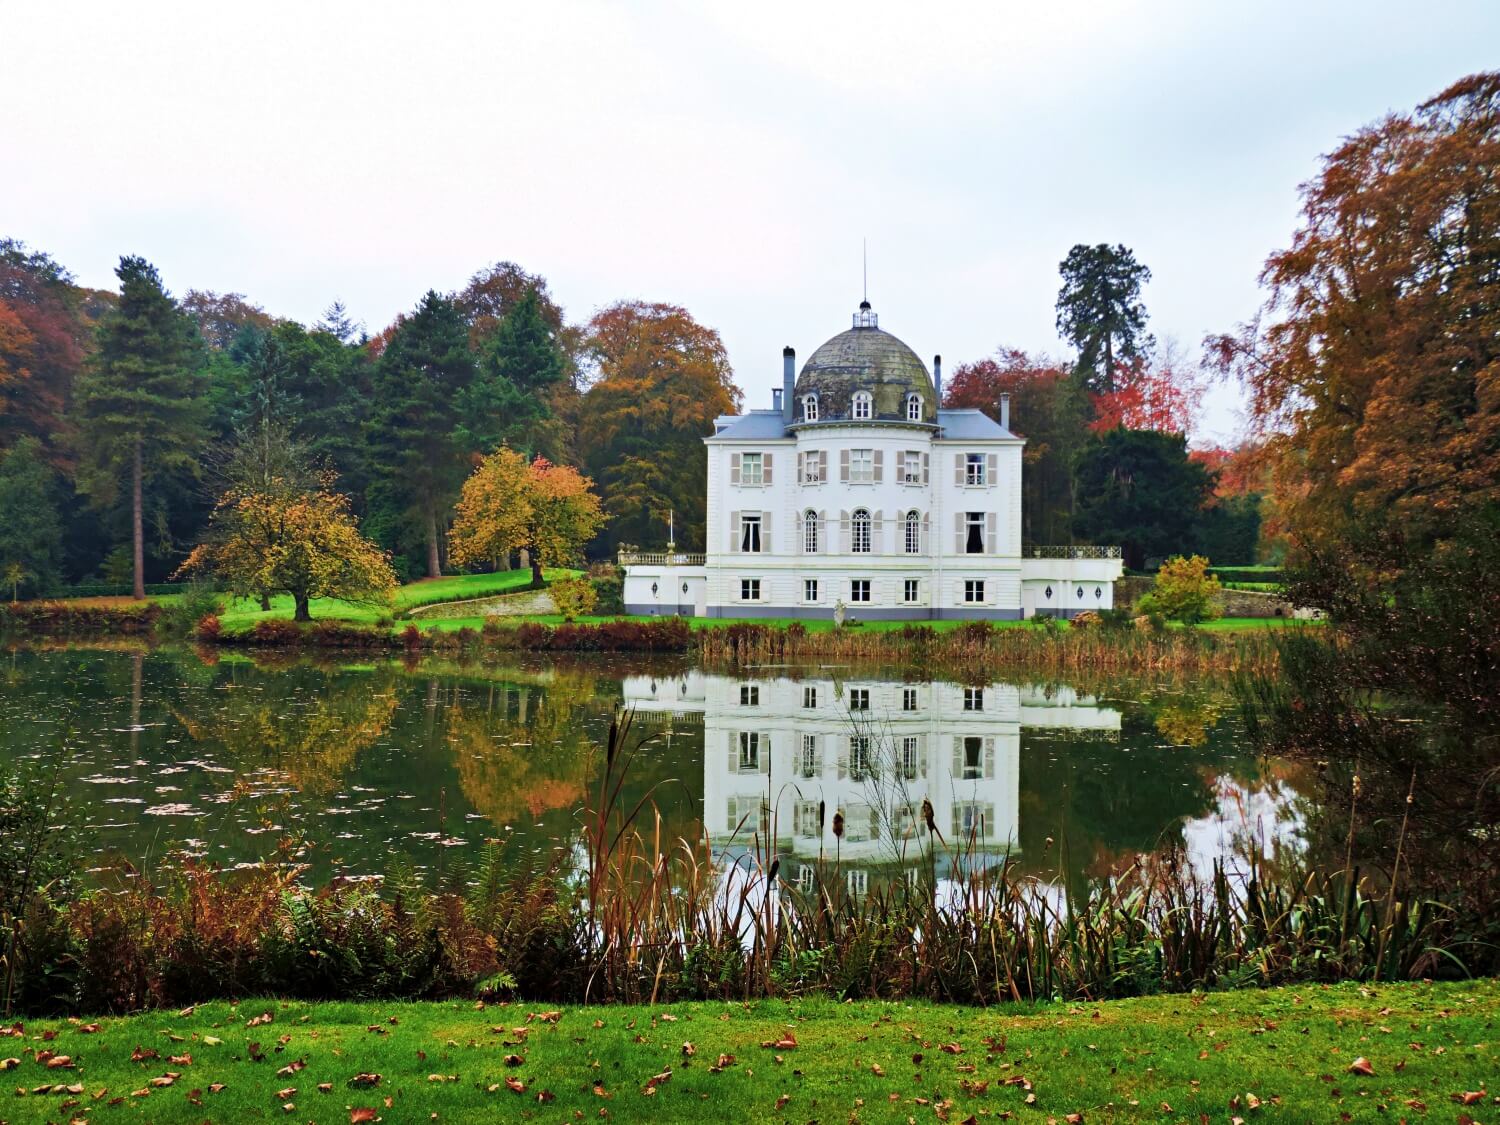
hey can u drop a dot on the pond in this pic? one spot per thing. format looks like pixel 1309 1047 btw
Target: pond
pixel 352 765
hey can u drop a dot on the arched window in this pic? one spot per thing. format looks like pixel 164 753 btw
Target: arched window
pixel 810 532
pixel 862 405
pixel 861 527
pixel 913 532
pixel 914 407
pixel 809 408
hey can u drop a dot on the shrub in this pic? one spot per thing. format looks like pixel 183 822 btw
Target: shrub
pixel 574 597
pixel 1088 619
pixel 1184 591
pixel 275 631
pixel 209 627
pixel 609 593
pixel 180 617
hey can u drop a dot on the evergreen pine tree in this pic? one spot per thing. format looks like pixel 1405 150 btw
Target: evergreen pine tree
pixel 507 403
pixel 418 457
pixel 140 406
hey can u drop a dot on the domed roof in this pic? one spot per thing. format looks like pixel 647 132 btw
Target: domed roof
pixel 864 358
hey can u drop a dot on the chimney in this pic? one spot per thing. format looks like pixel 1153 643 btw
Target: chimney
pixel 937 381
pixel 776 399
pixel 788 382
pixel 1005 410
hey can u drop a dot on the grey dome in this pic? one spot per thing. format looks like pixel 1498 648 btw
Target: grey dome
pixel 864 358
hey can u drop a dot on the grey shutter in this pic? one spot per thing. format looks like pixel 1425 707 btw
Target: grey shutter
pixel 765 471
pixel 763 758
pixel 844 533
pixel 734 531
pixel 989 757
pixel 924 468
pixel 824 546
pixel 734 468
pixel 958 530
pixel 800 530
pixel 991 468
pixel 879 465
pixel 801 467
pixel 844 466
pixel 765 532
pixel 817 756
pixel 822 464
pixel 991 540
pixel 926 541
pixel 734 753
pixel 958 469
pixel 732 818
pixel 921 756
pixel 843 758
pixel 877 526
pixel 958 757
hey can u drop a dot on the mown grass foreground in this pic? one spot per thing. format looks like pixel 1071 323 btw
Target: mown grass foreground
pixel 1405 1052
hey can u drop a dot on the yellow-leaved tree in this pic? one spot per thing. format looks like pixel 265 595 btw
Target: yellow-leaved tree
pixel 510 505
pixel 304 543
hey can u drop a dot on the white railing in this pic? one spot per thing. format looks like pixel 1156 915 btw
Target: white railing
pixel 661 558
pixel 1079 552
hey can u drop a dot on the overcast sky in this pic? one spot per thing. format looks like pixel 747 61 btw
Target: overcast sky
pixel 725 157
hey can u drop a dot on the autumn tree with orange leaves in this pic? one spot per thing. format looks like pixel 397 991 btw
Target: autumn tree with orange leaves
pixel 1374 365
pixel 661 379
pixel 508 504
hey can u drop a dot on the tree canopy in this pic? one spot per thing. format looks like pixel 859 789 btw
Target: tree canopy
pixel 1100 312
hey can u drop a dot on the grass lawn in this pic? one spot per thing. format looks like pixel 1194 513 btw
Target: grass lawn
pixel 1286 1054
pixel 244 613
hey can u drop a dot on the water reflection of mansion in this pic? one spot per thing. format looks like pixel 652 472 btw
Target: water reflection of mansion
pixel 783 756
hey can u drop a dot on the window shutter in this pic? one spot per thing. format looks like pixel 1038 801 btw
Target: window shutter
pixel 818 756
pixel 924 468
pixel 926 534
pixel 958 758
pixel 763 758
pixel 732 817
pixel 734 753
pixel 765 462
pixel 734 468
pixel 879 465
pixel 844 466
pixel 989 818
pixel 765 532
pixel 958 532
pixel 874 823
pixel 958 823
pixel 958 469
pixel 877 525
pixel 843 758
pixel 921 756
pixel 991 540
pixel 843 533
pixel 991 467
pixel 823 544
pixel 801 467
pixel 822 464
pixel 734 531
pixel 989 757
pixel 801 532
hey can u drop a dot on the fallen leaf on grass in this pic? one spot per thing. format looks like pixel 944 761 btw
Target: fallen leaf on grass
pixel 445 1078
pixel 212 1041
pixel 781 1101
pixel 1362 1066
pixel 215 1087
pixel 876 1070
pixel 951 1049
pixel 514 1060
pixel 283 1095
pixel 545 1017
pixel 724 1060
pixel 516 1085
pixel 787 1041
pixel 362 1115
pixel 365 1080
pixel 260 1020
pixel 59 1062
pixel 1469 1097
pixel 89 1028
pixel 9 1064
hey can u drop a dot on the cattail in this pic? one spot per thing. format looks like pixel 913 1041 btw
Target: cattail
pixel 928 818
pixel 822 811
pixel 775 867
pixel 838 825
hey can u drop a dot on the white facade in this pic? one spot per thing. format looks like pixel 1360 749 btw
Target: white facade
pixel 856 490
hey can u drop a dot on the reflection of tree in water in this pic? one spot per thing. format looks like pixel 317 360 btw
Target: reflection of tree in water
pixel 300 722
pixel 522 751
pixel 1100 803
pixel 1188 722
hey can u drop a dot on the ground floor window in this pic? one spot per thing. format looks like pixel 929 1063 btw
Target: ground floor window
pixel 973 699
pixel 859 757
pixel 911 590
pixel 809 697
pixel 809 761
pixel 973 758
pixel 749 751
pixel 859 882
pixel 859 590
pixel 859 699
pixel 908 699
pixel 973 590
pixel 809 589
pixel 909 758
pixel 749 589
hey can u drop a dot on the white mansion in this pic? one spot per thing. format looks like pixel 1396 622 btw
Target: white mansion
pixel 855 489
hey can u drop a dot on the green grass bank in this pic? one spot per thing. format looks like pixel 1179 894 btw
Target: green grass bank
pixel 1408 1052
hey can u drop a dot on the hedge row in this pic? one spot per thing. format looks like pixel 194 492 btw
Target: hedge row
pixel 55 619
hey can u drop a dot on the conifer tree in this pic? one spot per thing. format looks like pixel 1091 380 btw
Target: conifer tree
pixel 520 364
pixel 419 458
pixel 140 406
pixel 30 529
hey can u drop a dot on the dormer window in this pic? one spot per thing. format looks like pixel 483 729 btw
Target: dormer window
pixel 913 408
pixel 862 407
pixel 809 408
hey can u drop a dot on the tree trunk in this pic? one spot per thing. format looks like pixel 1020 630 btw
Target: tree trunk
pixel 1109 363
pixel 434 564
pixel 536 570
pixel 302 613
pixel 137 525
pixel 265 603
